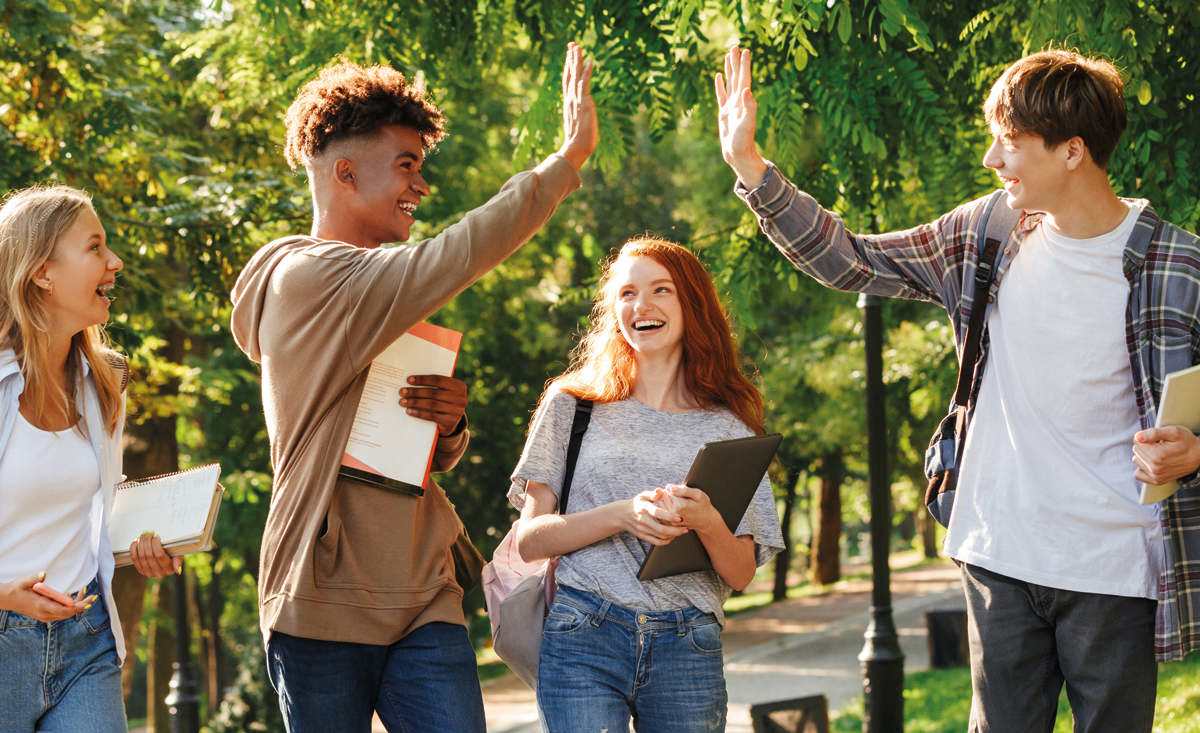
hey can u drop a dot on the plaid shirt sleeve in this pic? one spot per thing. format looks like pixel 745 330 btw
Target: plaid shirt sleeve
pixel 922 263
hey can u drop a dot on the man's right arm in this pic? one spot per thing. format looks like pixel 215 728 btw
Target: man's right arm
pixel 906 264
pixel 390 290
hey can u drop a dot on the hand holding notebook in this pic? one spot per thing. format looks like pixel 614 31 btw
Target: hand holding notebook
pixel 180 507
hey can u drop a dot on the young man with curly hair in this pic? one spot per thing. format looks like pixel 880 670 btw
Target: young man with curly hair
pixel 358 602
pixel 1094 301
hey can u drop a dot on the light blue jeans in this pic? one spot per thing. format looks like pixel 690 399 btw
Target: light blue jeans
pixel 602 664
pixel 60 677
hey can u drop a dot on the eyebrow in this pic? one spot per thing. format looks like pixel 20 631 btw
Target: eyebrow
pixel 407 155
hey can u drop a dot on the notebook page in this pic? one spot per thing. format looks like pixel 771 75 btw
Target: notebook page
pixel 175 507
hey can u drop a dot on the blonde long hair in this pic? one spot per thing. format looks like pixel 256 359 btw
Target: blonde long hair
pixel 31 222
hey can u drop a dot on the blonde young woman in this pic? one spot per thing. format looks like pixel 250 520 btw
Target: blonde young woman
pixel 61 413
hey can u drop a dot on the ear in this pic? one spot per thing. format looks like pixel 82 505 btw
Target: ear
pixel 1075 152
pixel 41 278
pixel 344 173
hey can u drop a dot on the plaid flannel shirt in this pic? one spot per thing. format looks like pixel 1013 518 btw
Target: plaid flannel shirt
pixel 932 261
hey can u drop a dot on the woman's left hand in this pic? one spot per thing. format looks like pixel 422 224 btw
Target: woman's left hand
pixel 151 559
pixel 694 507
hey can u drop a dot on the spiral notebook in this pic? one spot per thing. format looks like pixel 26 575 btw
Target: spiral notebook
pixel 181 507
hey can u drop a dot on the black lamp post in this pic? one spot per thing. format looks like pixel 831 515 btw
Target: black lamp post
pixel 881 658
pixel 182 701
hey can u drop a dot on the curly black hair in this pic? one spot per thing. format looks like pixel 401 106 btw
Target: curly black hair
pixel 347 100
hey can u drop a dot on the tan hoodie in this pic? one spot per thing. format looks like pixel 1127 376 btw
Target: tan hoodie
pixel 342 560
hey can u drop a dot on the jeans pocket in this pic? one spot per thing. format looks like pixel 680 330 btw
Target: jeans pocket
pixel 706 638
pixel 96 619
pixel 563 619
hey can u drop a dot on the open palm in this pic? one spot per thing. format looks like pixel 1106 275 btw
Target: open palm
pixel 736 115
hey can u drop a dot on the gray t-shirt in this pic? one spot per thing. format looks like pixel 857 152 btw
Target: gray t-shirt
pixel 629 448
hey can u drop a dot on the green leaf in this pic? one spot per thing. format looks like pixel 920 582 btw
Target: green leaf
pixel 844 23
pixel 1144 94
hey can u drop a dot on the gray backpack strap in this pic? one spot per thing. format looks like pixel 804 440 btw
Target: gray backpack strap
pixel 121 365
pixel 998 220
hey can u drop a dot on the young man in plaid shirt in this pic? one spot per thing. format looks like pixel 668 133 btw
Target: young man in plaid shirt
pixel 1094 302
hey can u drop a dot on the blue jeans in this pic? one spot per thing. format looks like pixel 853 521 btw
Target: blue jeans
pixel 62 676
pixel 602 664
pixel 427 681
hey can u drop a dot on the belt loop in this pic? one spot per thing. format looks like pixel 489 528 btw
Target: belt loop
pixel 598 616
pixel 3 620
pixel 680 623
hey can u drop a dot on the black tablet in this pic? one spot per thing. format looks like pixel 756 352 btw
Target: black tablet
pixel 729 471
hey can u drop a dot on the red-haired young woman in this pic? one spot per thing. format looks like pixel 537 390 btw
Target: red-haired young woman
pixel 660 364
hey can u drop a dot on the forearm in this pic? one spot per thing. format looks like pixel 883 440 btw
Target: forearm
pixel 551 535
pixel 905 264
pixel 732 557
pixel 450 448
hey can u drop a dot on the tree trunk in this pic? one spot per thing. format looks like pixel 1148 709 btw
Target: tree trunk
pixel 783 561
pixel 160 658
pixel 927 528
pixel 216 655
pixel 826 560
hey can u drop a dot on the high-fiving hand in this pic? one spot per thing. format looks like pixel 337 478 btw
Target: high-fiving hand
pixel 580 128
pixel 736 118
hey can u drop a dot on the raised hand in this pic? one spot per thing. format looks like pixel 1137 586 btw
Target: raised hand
pixel 737 117
pixel 581 131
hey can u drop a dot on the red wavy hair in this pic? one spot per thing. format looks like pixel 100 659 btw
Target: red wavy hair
pixel 603 366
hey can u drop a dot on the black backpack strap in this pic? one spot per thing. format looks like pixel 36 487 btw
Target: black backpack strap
pixel 579 426
pixel 993 230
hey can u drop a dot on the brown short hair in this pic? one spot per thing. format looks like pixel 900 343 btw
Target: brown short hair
pixel 347 100
pixel 1058 95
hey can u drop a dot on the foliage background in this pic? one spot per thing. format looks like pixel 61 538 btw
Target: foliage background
pixel 170 113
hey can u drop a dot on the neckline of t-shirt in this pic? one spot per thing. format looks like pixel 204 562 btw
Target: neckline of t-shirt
pixel 669 413
pixel 1119 233
pixel 43 431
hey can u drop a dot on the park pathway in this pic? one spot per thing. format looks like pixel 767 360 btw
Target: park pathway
pixel 801 646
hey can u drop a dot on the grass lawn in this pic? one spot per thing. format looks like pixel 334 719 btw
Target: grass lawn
pixel 939 701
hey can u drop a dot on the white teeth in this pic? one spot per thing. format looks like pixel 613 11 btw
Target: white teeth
pixel 647 323
pixel 408 208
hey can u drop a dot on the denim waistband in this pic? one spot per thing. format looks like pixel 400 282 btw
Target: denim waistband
pixel 679 619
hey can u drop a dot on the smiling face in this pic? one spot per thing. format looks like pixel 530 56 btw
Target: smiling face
pixel 646 303
pixel 380 177
pixel 77 278
pixel 1033 175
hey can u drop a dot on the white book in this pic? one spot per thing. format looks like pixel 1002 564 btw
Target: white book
pixel 387 446
pixel 181 507
pixel 1179 405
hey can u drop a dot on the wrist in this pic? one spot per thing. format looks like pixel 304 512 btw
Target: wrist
pixel 711 525
pixel 574 156
pixel 750 168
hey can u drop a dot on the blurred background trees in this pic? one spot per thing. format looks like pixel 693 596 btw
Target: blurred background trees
pixel 171 113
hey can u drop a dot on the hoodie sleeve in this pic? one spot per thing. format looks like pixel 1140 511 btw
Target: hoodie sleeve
pixel 390 290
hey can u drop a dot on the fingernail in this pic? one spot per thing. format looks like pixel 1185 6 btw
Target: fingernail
pixel 412 380
pixel 41 576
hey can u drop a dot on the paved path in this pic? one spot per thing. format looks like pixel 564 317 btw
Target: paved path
pixel 802 646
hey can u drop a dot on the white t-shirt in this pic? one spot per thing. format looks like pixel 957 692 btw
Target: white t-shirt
pixel 51 483
pixel 1046 493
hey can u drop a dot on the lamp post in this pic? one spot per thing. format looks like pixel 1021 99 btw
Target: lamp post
pixel 182 701
pixel 881 658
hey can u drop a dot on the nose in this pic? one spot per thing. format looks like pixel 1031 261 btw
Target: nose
pixel 420 185
pixel 116 264
pixel 991 158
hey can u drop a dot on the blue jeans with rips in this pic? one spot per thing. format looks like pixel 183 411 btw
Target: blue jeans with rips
pixel 62 676
pixel 427 681
pixel 602 664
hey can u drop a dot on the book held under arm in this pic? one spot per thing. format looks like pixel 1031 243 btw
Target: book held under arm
pixel 1179 405
pixel 388 447
pixel 180 507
